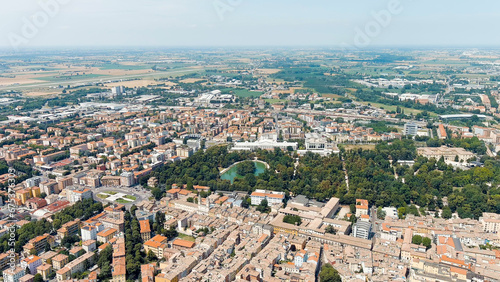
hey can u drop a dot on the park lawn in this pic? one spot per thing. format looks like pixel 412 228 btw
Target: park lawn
pixel 130 197
pixel 274 80
pixel 244 93
pixel 332 96
pixel 186 237
pixel 275 101
pixel 393 108
pixel 122 201
pixel 112 193
pixel 102 196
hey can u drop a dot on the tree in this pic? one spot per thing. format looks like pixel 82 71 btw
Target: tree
pixel 105 256
pixel 417 240
pixel 133 209
pixel 329 274
pixel 159 220
pixel 426 241
pixel 352 207
pixel 171 233
pixel 246 202
pixel 380 213
pixel 330 229
pixel 446 213
pixel 151 256
pixel 263 207
pixel 353 219
pixel 292 219
pixel 157 193
pixel 245 167
pixel 105 271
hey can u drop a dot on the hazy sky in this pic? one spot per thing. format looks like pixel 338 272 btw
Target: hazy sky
pixel 249 23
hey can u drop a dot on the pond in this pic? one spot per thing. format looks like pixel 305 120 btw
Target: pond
pixel 231 173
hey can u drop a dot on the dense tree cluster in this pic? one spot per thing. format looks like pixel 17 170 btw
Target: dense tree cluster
pixel 245 167
pixel 292 219
pixel 329 274
pixel 82 210
pixel 373 175
pixel 200 169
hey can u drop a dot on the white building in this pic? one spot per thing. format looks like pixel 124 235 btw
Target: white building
pixel 13 275
pixel 300 258
pixel 362 229
pixel 74 196
pixel 264 145
pixel 89 233
pixel 118 90
pixel 318 144
pixel 411 129
pixel 390 212
pixel 272 197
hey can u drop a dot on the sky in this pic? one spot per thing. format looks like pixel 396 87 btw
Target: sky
pixel 203 23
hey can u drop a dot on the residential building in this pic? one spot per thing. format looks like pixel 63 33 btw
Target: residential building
pixel 145 230
pixel 411 129
pixel 106 235
pixel 13 274
pixel 362 229
pixel 272 197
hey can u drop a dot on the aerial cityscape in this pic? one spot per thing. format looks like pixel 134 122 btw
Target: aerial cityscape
pixel 278 156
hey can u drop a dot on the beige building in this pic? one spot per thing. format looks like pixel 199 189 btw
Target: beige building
pixel 106 235
pixel 156 245
pixel 59 261
pixel 490 222
pixel 449 154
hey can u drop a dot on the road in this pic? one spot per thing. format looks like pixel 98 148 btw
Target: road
pixel 346 175
pixel 373 219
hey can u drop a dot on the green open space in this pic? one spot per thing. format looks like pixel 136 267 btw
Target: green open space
pixel 68 77
pixel 186 237
pixel 102 196
pixel 130 197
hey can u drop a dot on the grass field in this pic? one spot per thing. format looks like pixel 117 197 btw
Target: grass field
pixel 102 196
pixel 332 96
pixel 130 197
pixel 393 108
pixel 124 67
pixel 243 93
pixel 63 78
pixel 186 237
pixel 275 80
pixel 122 201
pixel 275 101
pixel 246 93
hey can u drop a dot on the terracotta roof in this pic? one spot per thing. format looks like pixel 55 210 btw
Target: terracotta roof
pixel 145 226
pixel 107 232
pixel 458 270
pixel 183 243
